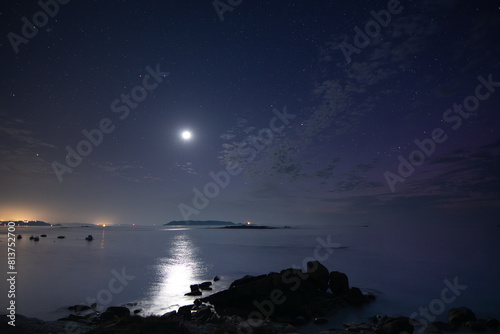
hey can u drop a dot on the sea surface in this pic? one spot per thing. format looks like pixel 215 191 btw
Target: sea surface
pixel 406 268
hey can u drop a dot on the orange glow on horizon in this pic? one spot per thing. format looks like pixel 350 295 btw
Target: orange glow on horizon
pixel 16 213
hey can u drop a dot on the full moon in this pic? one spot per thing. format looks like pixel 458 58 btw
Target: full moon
pixel 186 135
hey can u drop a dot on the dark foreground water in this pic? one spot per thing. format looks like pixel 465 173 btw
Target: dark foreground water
pixel 406 268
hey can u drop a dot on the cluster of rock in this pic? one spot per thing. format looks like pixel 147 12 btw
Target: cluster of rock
pixel 460 319
pixel 197 288
pixel 289 296
pixel 267 304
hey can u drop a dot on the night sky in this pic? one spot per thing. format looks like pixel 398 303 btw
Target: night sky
pixel 300 112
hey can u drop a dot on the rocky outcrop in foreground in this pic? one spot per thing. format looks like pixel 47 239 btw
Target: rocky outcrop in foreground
pixel 288 295
pixel 290 301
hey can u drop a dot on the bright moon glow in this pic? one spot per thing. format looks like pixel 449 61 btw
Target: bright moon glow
pixel 186 135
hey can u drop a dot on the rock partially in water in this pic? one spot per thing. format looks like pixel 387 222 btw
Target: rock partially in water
pixel 205 286
pixel 290 293
pixel 79 308
pixel 114 313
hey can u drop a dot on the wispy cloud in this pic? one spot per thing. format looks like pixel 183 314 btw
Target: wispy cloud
pixel 187 167
pixel 21 149
pixel 132 171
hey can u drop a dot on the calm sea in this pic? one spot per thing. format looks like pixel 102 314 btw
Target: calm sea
pixel 405 267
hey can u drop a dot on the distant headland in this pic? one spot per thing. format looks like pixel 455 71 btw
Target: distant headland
pixel 200 222
pixel 221 224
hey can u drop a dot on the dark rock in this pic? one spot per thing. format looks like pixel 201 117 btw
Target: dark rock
pixel 493 323
pixel 299 321
pixel 477 326
pixel 356 296
pixel 287 328
pixel 107 316
pixel 339 283
pixel 459 316
pixel 357 326
pixel 119 311
pixel 184 312
pixel 137 311
pixel 169 314
pixel 290 294
pixel 432 329
pixel 318 274
pixel 193 293
pixel 246 280
pixel 395 326
pixel 114 313
pixel 73 317
pixel 205 285
pixel 195 290
pixel 441 326
pixel 79 308
pixel 320 321
pixel 206 314
pixel 216 278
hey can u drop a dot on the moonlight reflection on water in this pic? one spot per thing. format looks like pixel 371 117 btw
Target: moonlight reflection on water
pixel 176 272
